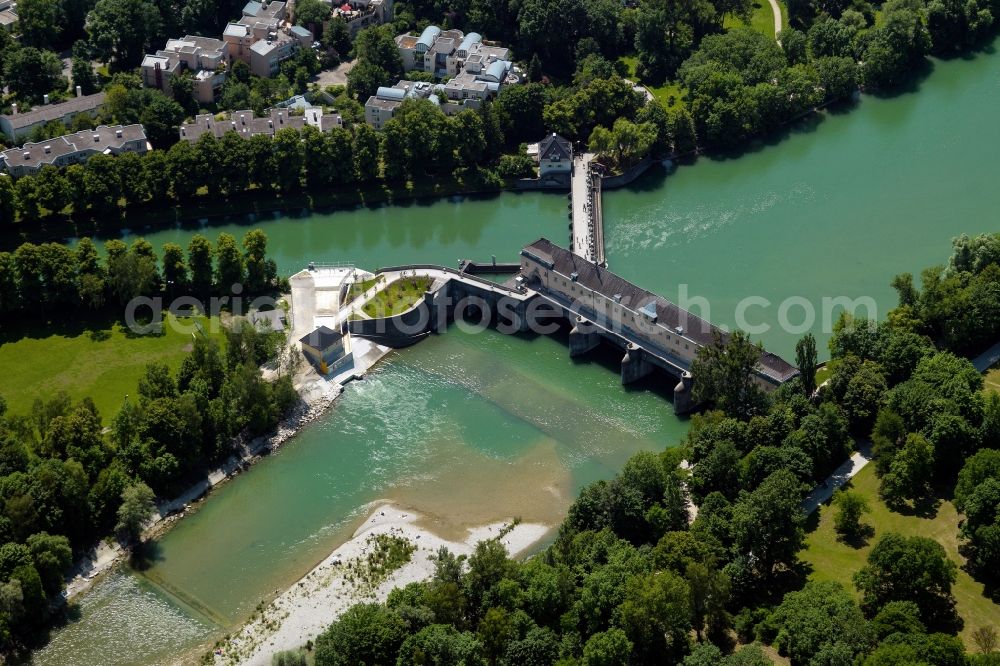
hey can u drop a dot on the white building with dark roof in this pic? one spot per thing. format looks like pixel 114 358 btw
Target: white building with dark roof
pixel 19 124
pixel 554 154
pixel 659 326
pixel 327 349
pixel 75 148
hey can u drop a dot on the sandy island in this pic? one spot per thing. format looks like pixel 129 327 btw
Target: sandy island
pixel 308 607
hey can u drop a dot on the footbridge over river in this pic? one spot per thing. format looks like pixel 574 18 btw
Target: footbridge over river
pixel 556 286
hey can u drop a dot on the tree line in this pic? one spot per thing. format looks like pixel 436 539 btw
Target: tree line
pixel 65 479
pixel 53 279
pixel 632 579
pixel 483 147
pixel 739 84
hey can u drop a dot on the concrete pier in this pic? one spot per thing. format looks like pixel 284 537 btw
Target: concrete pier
pixel 634 364
pixel 583 337
pixel 683 398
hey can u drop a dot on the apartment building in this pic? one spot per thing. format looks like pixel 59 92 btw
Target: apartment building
pixel 19 124
pixel 202 56
pixel 247 125
pixel 75 148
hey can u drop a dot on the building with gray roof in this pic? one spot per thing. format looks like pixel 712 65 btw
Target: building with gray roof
pixel 475 70
pixel 554 155
pixel 247 125
pixel 360 14
pixel 8 14
pixel 19 124
pixel 75 148
pixel 381 107
pixel 661 326
pixel 468 42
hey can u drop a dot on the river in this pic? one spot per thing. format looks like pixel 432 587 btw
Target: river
pixel 468 428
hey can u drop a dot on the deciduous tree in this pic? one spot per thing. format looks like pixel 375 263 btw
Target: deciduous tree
pixel 724 374
pixel 135 511
pixel 916 569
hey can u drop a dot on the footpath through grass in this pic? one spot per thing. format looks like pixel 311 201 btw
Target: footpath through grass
pixel 761 20
pixel 397 297
pixel 835 560
pixel 100 362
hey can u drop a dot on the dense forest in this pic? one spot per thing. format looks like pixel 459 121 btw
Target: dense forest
pixel 65 479
pixel 630 581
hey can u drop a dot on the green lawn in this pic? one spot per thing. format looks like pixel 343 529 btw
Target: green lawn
pixel 102 363
pixel 359 288
pixel 823 373
pixel 992 379
pixel 762 19
pixel 669 95
pixel 399 296
pixel 832 559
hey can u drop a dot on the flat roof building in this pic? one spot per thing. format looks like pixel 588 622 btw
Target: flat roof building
pixel 381 107
pixel 476 71
pixel 262 39
pixel 359 14
pixel 203 56
pixel 8 14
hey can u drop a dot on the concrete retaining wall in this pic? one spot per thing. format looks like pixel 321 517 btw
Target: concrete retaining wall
pixel 623 179
pixel 550 182
pixel 401 330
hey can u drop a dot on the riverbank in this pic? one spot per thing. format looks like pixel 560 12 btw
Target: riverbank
pixel 317 395
pixel 307 608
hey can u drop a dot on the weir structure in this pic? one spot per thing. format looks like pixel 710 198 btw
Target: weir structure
pixel 557 287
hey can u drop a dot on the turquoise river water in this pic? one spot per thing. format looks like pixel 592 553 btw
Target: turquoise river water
pixel 471 428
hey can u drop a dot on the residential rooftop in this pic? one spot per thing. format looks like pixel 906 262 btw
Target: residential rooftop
pixel 49 112
pixel 247 125
pixel 105 138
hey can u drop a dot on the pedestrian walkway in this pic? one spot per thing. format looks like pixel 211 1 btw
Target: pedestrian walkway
pixel 588 232
pixel 847 471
